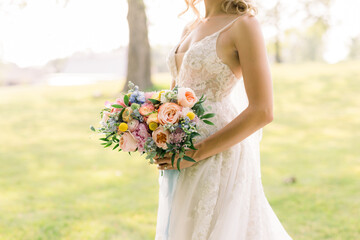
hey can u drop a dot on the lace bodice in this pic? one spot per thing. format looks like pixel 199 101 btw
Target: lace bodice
pixel 202 69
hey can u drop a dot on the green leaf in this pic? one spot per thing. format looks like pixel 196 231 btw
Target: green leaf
pixel 115 146
pixel 194 134
pixel 209 115
pixel 103 139
pixel 208 122
pixel 187 158
pixel 154 101
pixel 170 146
pixel 173 159
pixel 192 147
pixel 178 163
pixel 126 100
pixel 121 113
pixel 117 106
pixel 92 128
pixel 108 144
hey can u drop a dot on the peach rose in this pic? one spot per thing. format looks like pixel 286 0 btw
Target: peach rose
pixel 161 137
pixel 146 108
pixel 126 116
pixel 152 118
pixel 128 142
pixel 186 97
pixel 169 113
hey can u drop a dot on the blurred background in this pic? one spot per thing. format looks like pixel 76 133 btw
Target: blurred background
pixel 61 60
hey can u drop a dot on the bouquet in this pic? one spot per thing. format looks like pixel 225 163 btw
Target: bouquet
pixel 153 123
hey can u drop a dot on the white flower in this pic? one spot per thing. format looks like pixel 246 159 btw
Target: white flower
pixel 163 97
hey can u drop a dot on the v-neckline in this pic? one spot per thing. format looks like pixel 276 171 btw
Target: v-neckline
pixel 186 52
pixel 176 48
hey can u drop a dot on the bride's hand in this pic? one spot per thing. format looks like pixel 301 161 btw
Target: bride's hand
pixel 165 162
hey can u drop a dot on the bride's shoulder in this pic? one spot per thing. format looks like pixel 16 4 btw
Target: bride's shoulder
pixel 247 20
pixel 246 26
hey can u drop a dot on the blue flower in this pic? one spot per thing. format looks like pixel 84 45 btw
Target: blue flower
pixel 137 97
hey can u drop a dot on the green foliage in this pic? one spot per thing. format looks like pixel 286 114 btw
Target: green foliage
pixel 154 101
pixel 126 100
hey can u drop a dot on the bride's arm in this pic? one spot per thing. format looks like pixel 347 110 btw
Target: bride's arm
pixel 249 43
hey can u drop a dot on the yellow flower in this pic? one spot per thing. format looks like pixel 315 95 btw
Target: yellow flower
pixel 152 118
pixel 153 126
pixel 123 127
pixel 191 115
pixel 126 116
pixel 157 95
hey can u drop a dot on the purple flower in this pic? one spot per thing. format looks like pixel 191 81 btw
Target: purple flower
pixel 177 136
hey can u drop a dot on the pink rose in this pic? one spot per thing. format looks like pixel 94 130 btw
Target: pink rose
pixel 141 134
pixel 146 108
pixel 161 137
pixel 169 113
pixel 186 97
pixel 118 101
pixel 133 124
pixel 128 142
pixel 148 95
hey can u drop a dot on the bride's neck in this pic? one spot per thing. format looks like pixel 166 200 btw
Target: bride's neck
pixel 213 8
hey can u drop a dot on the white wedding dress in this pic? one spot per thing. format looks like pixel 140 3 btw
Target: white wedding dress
pixel 221 197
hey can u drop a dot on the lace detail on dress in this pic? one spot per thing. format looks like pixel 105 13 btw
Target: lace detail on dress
pixel 202 62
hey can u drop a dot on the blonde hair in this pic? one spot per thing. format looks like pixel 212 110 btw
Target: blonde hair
pixel 240 7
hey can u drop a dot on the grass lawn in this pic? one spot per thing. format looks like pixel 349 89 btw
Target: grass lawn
pixel 57 182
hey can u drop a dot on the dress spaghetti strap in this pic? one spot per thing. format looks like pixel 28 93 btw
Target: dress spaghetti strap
pixel 228 25
pixel 188 33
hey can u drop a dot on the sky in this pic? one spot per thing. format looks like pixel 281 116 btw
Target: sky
pixel 45 30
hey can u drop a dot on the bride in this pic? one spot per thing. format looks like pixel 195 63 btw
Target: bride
pixel 220 197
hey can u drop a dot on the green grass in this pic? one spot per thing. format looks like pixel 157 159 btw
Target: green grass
pixel 56 182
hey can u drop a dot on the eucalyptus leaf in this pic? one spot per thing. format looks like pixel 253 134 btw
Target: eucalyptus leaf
pixel 173 159
pixel 208 122
pixel 178 163
pixel 115 146
pixel 208 115
pixel 92 128
pixel 187 158
pixel 117 106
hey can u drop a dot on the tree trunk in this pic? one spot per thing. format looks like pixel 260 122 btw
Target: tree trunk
pixel 277 15
pixel 278 58
pixel 139 55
